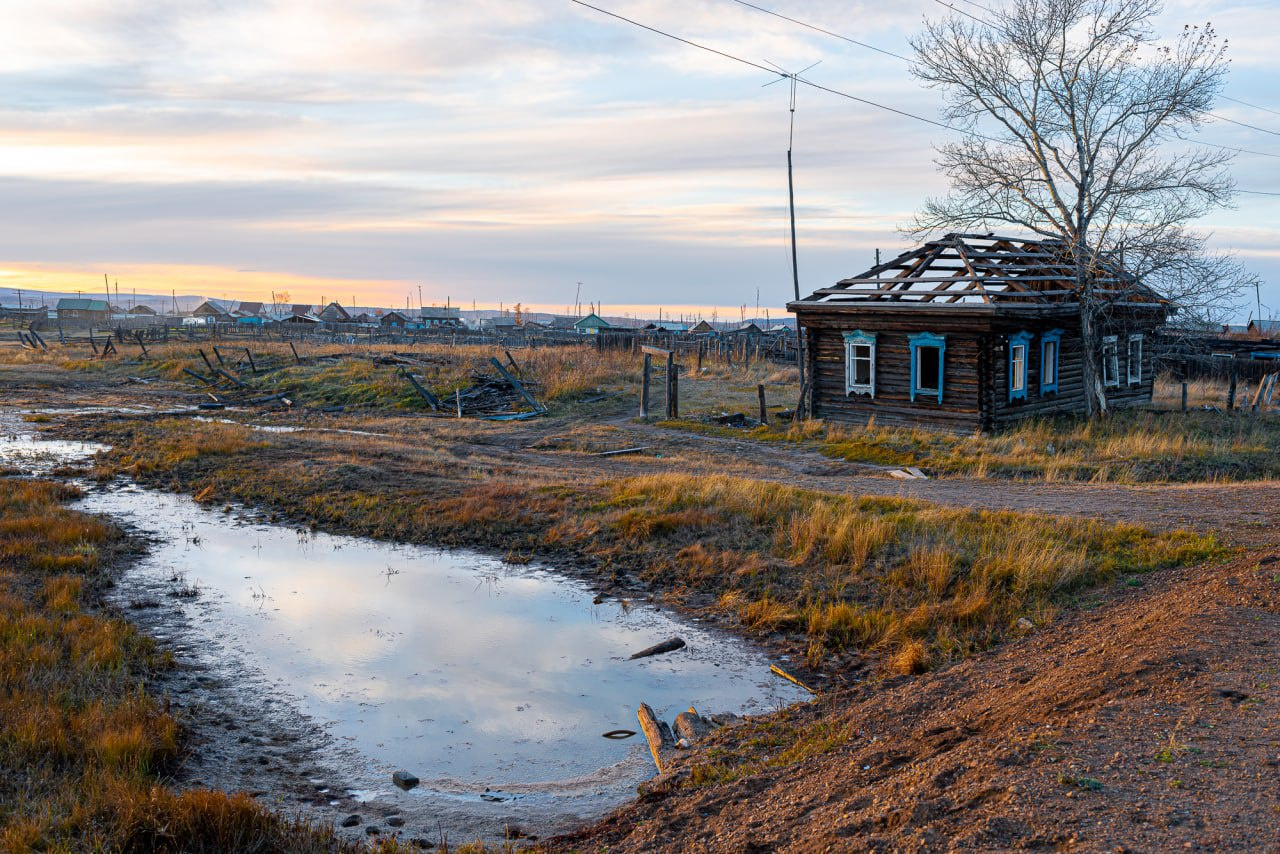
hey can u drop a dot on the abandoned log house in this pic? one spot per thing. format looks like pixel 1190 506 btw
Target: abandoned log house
pixel 973 332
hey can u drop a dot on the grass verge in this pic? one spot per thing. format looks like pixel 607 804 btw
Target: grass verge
pixel 1130 446
pixel 906 583
pixel 83 744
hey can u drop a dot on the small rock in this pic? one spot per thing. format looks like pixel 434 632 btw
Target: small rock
pixel 404 780
pixel 351 820
pixel 1025 625
pixel 424 844
pixel 395 821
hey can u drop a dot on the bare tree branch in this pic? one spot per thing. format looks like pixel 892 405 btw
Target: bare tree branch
pixel 1076 118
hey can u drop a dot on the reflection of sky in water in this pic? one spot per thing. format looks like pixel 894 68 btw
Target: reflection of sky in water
pixel 447 663
pixel 31 456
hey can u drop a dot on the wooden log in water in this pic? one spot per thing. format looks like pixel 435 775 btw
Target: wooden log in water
pixel 670 645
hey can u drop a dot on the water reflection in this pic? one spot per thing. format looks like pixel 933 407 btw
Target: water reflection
pixel 465 670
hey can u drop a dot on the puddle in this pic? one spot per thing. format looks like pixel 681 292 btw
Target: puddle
pixel 491 683
pixel 30 455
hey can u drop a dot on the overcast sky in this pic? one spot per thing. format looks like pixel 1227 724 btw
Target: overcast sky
pixel 498 151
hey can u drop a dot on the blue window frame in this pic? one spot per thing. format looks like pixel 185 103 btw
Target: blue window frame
pixel 928 362
pixel 1019 349
pixel 1050 348
pixel 860 363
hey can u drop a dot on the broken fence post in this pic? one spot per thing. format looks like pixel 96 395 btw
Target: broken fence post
pixel 764 411
pixel 644 387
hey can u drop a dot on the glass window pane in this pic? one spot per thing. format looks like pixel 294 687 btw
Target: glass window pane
pixel 862 365
pixel 928 368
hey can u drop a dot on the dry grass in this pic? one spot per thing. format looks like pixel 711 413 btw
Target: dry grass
pixel 830 572
pixel 1130 446
pixel 81 742
pixel 920 583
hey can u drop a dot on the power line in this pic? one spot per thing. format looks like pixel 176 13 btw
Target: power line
pixel 1247 104
pixel 1234 148
pixel 960 11
pixel 1257 192
pixel 823 31
pixel 874 103
pixel 1243 125
pixel 860 100
pixel 979 5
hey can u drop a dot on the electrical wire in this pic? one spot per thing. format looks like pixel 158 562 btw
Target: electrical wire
pixel 856 98
pixel 823 31
pixel 1247 104
pixel 1243 125
pixel 810 83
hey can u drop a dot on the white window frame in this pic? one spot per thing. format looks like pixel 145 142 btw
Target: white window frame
pixel 1133 369
pixel 852 341
pixel 1110 361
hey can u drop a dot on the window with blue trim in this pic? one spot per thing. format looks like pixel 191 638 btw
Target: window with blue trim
pixel 928 352
pixel 860 363
pixel 1019 346
pixel 1050 346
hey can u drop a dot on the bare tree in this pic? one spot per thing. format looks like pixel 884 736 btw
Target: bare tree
pixel 1075 119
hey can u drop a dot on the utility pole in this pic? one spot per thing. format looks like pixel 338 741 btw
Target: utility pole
pixel 791 204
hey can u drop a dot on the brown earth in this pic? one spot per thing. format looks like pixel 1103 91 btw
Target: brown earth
pixel 1147 723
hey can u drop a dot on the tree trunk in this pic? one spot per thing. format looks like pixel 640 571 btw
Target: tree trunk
pixel 1095 394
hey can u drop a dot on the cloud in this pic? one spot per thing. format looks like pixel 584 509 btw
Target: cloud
pixel 507 146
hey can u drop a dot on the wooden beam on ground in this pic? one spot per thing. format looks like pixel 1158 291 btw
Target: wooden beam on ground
pixel 515 383
pixel 423 391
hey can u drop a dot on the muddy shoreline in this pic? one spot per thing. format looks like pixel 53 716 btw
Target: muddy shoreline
pixel 245 734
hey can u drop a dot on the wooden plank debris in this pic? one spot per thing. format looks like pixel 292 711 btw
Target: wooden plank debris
pixel 637 449
pixel 661 743
pixel 669 645
pixel 515 383
pixel 778 671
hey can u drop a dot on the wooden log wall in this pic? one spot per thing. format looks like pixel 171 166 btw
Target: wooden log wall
pixel 976 372
pixel 892 404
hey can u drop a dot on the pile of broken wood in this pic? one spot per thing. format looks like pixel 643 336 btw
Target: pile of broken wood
pixel 497 396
